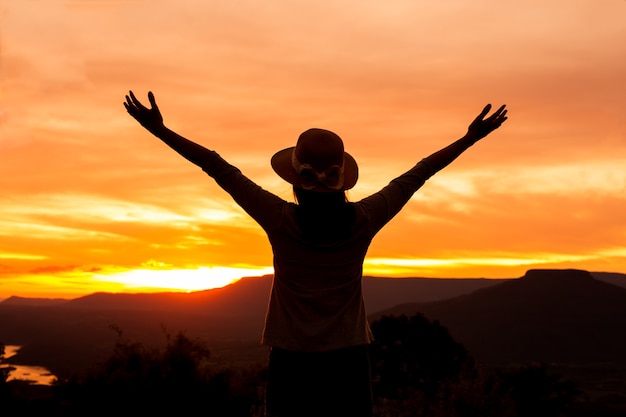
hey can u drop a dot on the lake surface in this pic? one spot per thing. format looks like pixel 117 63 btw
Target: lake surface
pixel 35 374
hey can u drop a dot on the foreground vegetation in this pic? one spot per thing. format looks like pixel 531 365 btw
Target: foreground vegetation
pixel 418 370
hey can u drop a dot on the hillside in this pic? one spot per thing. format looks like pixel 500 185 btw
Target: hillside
pixel 380 293
pixel 248 296
pixel 563 316
pixel 69 335
pixel 553 315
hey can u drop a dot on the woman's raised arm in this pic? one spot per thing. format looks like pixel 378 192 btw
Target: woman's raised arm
pixel 151 119
pixel 478 129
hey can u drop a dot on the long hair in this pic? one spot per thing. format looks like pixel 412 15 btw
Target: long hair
pixel 323 217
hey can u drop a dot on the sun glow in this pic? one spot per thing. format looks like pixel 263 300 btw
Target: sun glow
pixel 425 266
pixel 193 279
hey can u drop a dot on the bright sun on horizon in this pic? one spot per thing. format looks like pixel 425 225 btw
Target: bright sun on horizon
pixel 92 202
pixel 196 279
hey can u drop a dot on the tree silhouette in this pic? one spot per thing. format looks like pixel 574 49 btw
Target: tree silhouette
pixel 411 353
pixel 419 370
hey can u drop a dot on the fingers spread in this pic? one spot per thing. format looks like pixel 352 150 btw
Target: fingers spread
pixel 500 110
pixel 482 114
pixel 136 102
pixel 498 114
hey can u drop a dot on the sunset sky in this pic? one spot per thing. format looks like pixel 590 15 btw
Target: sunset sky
pixel 89 201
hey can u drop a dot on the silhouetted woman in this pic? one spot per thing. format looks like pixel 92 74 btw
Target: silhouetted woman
pixel 316 324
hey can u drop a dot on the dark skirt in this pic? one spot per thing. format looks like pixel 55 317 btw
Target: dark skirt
pixel 329 384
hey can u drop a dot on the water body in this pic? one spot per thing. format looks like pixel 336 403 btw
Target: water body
pixel 34 374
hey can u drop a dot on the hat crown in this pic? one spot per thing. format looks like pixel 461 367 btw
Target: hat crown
pixel 319 148
pixel 318 162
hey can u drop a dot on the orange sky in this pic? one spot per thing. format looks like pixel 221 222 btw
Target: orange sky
pixel 91 202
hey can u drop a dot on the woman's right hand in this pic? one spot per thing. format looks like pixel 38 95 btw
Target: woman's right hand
pixel 482 126
pixel 150 118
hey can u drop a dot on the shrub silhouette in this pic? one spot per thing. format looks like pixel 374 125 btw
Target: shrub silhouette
pixel 137 379
pixel 418 369
pixel 537 393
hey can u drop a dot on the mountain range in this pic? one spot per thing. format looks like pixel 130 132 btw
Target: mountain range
pixel 552 316
pixel 558 316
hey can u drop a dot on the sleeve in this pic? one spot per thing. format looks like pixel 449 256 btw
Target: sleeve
pixel 382 206
pixel 264 207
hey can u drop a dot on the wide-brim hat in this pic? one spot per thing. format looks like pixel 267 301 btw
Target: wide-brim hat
pixel 318 162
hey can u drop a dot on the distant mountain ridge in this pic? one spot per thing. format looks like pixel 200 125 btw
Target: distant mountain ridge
pixel 253 293
pixel 71 334
pixel 376 291
pixel 34 302
pixel 547 315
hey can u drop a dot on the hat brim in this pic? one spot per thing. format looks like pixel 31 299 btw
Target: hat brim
pixel 282 165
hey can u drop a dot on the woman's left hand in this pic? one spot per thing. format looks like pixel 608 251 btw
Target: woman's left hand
pixel 150 118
